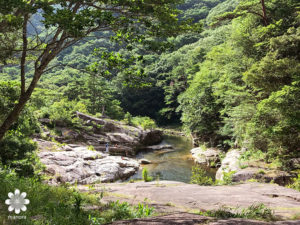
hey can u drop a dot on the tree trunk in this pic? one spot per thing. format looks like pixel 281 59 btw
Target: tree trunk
pixel 24 97
pixel 264 12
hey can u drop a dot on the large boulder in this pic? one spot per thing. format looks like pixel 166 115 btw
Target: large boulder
pixel 230 163
pixel 209 157
pixel 78 164
pixel 152 137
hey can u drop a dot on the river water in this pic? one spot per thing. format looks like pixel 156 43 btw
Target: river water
pixel 175 164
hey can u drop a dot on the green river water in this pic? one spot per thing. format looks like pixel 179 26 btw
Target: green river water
pixel 175 165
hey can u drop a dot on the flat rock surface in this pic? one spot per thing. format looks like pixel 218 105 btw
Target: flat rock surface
pixel 171 196
pixel 190 219
pixel 73 163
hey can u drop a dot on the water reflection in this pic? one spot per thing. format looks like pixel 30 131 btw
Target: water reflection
pixel 171 165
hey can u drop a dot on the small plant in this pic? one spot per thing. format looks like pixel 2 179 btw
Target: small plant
pixel 146 176
pixel 91 148
pixel 227 177
pixel 128 118
pixel 143 211
pixel 77 201
pixel 261 172
pixel 295 183
pixel 170 204
pixel 255 211
pixel 258 211
pixel 221 213
pixel 199 176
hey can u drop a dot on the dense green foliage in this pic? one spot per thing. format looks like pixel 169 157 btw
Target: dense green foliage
pixel 63 205
pixel 234 84
pixel 247 89
pixel 17 149
pixel 199 177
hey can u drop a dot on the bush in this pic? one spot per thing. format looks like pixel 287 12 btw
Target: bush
pixel 227 178
pixel 62 205
pixel 128 118
pixel 17 150
pixel 144 122
pixel 295 183
pixel 199 176
pixel 64 111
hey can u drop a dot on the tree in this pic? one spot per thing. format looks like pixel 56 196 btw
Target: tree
pixel 67 22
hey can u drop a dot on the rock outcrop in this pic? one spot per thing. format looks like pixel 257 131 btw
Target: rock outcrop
pixel 230 163
pixel 209 157
pixel 182 197
pixel 123 139
pixel 262 175
pixel 74 163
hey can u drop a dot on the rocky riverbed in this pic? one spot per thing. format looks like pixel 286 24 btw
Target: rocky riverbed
pixel 78 154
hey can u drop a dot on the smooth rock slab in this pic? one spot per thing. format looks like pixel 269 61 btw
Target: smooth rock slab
pixel 86 166
pixel 187 197
pixel 193 219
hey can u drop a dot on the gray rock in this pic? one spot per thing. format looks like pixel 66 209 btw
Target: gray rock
pixel 209 157
pixel 246 174
pixel 144 161
pixel 158 147
pixel 295 163
pixel 151 137
pixel 229 163
pixel 262 175
pixel 85 166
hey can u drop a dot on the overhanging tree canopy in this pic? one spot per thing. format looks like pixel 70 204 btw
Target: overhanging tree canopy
pixel 68 22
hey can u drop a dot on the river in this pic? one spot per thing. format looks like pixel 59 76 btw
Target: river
pixel 173 165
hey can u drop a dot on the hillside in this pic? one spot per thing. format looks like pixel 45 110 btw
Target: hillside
pixel 205 92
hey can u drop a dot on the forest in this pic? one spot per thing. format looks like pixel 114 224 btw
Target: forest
pixel 224 73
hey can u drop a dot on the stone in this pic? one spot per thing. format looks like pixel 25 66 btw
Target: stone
pixel 230 163
pixel 295 163
pixel 144 161
pixel 209 157
pixel 78 164
pixel 246 174
pixel 158 147
pixel 151 137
